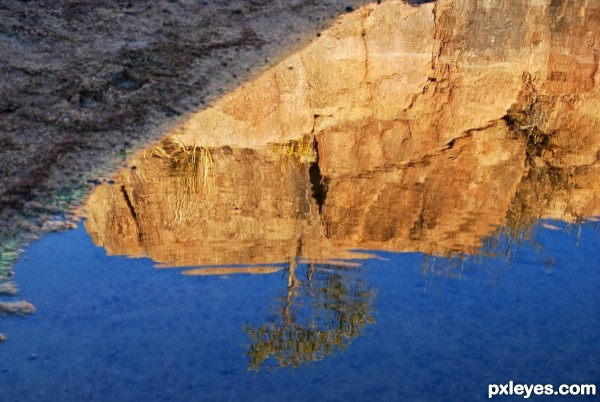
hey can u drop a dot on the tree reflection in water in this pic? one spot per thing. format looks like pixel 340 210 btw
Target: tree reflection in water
pixel 316 317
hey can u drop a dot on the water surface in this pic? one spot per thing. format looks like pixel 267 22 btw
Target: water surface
pixel 112 328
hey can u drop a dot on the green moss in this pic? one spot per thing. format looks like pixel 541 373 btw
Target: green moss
pixel 8 255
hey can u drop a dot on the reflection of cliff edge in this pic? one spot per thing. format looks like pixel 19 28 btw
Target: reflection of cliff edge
pixel 432 124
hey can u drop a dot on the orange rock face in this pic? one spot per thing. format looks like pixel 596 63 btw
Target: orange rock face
pixel 401 128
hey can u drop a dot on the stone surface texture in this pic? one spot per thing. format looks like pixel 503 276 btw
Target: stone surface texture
pixel 433 127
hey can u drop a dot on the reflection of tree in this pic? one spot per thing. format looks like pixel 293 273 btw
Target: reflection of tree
pixel 319 316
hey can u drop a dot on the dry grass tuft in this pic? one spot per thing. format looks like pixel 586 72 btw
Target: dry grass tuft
pixel 194 164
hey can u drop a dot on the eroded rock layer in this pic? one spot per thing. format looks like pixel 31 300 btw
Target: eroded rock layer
pixel 400 128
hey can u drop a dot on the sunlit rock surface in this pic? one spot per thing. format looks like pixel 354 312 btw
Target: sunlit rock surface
pixel 401 128
pixel 431 73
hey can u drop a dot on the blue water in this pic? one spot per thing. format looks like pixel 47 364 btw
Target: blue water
pixel 116 329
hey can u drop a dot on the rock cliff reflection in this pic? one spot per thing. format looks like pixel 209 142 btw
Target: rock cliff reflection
pixel 225 207
pixel 371 139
